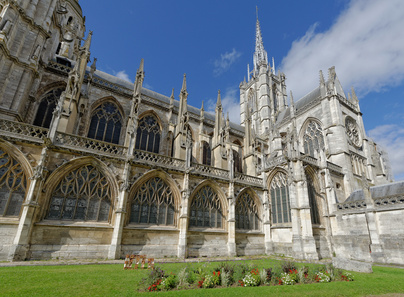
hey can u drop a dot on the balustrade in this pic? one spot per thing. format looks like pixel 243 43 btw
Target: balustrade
pixel 23 131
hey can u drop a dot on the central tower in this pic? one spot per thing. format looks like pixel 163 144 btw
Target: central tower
pixel 263 94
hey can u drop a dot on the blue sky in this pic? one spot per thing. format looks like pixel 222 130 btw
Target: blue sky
pixel 213 41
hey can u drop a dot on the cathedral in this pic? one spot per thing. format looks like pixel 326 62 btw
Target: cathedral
pixel 92 166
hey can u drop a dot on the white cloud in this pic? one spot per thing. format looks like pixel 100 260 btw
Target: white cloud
pixel 365 44
pixel 225 61
pixel 391 139
pixel 230 103
pixel 123 75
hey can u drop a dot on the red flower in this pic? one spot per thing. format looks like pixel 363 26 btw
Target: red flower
pixel 218 273
pixel 214 273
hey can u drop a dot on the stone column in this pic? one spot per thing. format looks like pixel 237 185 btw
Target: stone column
pixel 231 221
pixel 183 219
pixel 266 219
pixel 19 250
pixel 114 251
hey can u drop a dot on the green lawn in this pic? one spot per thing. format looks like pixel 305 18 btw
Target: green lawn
pixel 112 280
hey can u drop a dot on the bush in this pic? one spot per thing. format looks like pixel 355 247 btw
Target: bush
pixel 287 265
pixel 169 282
pixel 225 278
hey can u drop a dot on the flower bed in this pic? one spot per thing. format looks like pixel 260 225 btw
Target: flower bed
pixel 228 274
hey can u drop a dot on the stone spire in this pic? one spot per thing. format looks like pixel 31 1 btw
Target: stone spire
pixel 260 55
pixel 218 119
pixel 183 99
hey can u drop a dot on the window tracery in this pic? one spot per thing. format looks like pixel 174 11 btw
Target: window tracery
pixel 46 107
pixel 237 165
pixel 206 209
pixel 153 203
pixel 106 123
pixel 13 183
pixel 313 138
pixel 83 194
pixel 280 199
pixel 148 134
pixel 246 213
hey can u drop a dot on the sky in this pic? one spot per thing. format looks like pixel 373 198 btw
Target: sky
pixel 212 41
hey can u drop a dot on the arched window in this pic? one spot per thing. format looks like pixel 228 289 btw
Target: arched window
pixel 206 209
pixel 206 154
pixel 237 165
pixel 246 213
pixel 315 217
pixel 148 135
pixel 153 204
pixel 106 123
pixel 252 102
pixel 13 183
pixel 83 194
pixel 46 107
pixel 313 138
pixel 280 199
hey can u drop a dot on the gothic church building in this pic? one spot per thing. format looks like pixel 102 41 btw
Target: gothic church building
pixel 92 166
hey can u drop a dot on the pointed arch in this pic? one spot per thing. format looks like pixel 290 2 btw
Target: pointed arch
pixel 248 210
pixel 279 196
pixel 312 136
pixel 48 98
pixel 83 189
pixel 106 120
pixel 148 133
pixel 208 206
pixel 313 189
pixel 154 200
pixel 15 172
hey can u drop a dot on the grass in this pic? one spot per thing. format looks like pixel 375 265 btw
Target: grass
pixel 112 280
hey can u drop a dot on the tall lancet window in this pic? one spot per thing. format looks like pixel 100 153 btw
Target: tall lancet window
pixel 148 135
pixel 315 216
pixel 280 199
pixel 13 184
pixel 83 194
pixel 238 163
pixel 313 138
pixel 252 102
pixel 206 209
pixel 153 204
pixel 206 154
pixel 247 213
pixel 106 123
pixel 46 107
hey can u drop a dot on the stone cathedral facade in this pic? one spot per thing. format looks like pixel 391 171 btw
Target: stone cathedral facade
pixel 92 166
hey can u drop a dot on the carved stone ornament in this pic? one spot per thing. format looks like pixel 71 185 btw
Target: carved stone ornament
pixel 352 130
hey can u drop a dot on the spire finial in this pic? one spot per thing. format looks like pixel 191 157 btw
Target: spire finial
pixel 202 106
pixel 219 100
pixel 172 94
pixel 260 55
pixel 256 8
pixel 184 83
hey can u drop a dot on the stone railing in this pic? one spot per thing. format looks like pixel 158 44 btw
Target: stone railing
pixel 354 205
pixel 210 171
pixel 152 159
pixel 111 86
pixel 334 167
pixel 78 143
pixel 59 67
pixel 310 160
pixel 389 201
pixel 269 163
pixel 248 179
pixel 23 131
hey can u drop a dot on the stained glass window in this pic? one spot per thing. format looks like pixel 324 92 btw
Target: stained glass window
pixel 247 213
pixel 148 134
pixel 315 217
pixel 206 209
pixel 83 194
pixel 46 107
pixel 280 199
pixel 206 154
pixel 153 203
pixel 237 162
pixel 106 123
pixel 13 183
pixel 313 139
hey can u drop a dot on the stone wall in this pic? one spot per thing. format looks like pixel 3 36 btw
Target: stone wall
pixel 207 244
pixel 153 243
pixel 7 233
pixel 250 244
pixel 70 242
